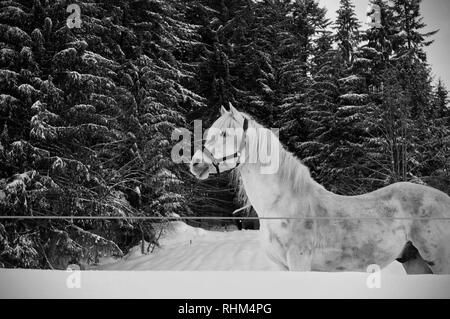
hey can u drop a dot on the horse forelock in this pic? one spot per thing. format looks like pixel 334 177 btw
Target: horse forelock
pixel 229 120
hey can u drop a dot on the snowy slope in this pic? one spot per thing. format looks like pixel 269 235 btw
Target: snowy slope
pixel 188 248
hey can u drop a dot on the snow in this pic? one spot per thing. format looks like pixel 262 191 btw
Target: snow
pixel 214 284
pixel 350 79
pixel 191 249
pixel 351 108
pixel 354 97
pixel 184 247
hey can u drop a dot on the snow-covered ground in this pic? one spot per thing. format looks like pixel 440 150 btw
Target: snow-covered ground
pixel 184 247
pixel 215 253
pixel 189 248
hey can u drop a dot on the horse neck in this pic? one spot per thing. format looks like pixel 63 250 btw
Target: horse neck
pixel 260 189
pixel 265 192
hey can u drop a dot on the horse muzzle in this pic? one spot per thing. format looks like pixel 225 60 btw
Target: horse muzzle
pixel 200 169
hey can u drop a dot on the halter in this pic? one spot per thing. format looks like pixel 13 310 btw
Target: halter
pixel 216 162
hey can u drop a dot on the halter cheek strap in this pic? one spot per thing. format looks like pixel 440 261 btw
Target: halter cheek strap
pixel 216 162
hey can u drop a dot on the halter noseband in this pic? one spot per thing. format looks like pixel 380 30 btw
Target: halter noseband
pixel 216 162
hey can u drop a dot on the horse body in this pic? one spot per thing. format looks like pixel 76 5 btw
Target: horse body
pixel 343 244
pixel 305 227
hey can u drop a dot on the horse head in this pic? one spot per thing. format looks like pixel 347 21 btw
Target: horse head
pixel 224 144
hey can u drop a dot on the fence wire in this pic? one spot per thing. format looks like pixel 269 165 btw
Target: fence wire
pixel 225 218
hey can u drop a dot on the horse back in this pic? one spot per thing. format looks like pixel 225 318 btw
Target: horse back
pixel 415 200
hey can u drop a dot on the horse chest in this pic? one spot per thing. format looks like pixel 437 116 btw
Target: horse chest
pixel 277 237
pixel 273 239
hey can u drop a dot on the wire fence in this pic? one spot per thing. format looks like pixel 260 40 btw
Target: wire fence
pixel 174 218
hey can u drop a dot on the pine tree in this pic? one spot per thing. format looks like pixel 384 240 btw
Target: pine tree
pixel 409 22
pixel 322 101
pixel 347 30
pixel 20 82
pixel 253 44
pixel 304 20
pixel 435 165
pixel 215 80
pixel 346 152
pixel 441 101
pixel 399 75
pixel 377 52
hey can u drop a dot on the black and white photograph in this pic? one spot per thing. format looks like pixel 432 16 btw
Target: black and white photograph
pixel 214 149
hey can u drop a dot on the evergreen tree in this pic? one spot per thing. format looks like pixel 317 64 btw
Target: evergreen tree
pixel 409 38
pixel 400 76
pixel 435 164
pixel 377 52
pixel 19 82
pixel 253 45
pixel 347 30
pixel 441 101
pixel 305 20
pixel 347 152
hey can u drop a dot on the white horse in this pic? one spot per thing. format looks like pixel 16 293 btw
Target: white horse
pixel 304 227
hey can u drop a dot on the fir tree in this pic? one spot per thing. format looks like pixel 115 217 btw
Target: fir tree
pixel 346 154
pixel 400 76
pixel 441 101
pixel 305 20
pixel 409 38
pixel 347 30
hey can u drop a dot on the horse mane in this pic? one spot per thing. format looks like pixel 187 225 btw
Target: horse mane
pixel 291 170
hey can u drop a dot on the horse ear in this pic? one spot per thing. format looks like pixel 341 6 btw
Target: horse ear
pixel 232 109
pixel 223 110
